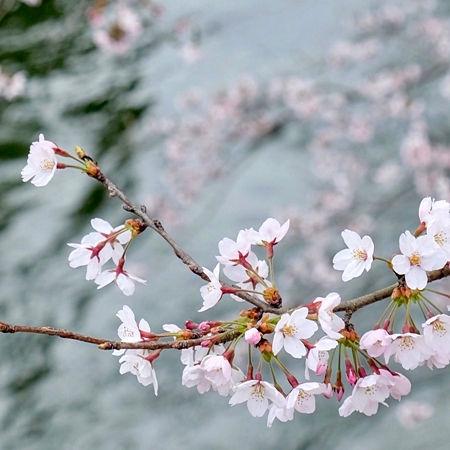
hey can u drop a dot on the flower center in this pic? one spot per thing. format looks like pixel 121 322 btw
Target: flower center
pixel 415 259
pixel 439 328
pixel 359 254
pixel 258 392
pixel 289 330
pixel 440 238
pixel 47 165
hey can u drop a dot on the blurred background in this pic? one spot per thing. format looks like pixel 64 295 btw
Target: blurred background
pixel 216 115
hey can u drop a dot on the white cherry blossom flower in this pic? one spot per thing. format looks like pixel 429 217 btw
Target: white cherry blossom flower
pixel 429 209
pixel 436 332
pixel 257 395
pixel 331 323
pixel 317 358
pixel 357 257
pixel 270 232
pixel 409 350
pixel 438 360
pixel 282 413
pixel 129 330
pixel 232 251
pixel 367 394
pixel 212 292
pixel 135 361
pixel 375 342
pixel 290 329
pixel 419 255
pixel 99 247
pixel 302 399
pixel 399 384
pixel 243 277
pixel 41 162
pixel 217 369
pixel 123 279
pixel 439 229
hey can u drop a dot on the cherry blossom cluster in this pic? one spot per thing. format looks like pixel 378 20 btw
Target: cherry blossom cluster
pixel 331 347
pixel 96 248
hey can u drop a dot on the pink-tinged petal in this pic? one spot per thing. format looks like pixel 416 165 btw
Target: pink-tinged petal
pixel 416 278
pixel 368 246
pixel 353 270
pixel 401 264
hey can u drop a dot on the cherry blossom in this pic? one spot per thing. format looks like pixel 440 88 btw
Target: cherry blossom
pixel 419 255
pixel 135 361
pixel 243 276
pixel 409 349
pixel 429 209
pixel 367 394
pixel 317 358
pixel 121 34
pixel 283 414
pixel 439 229
pixel 331 323
pixel 411 414
pixel 436 332
pixel 302 399
pixel 12 86
pixel 399 384
pixel 129 330
pixel 212 292
pixel 232 252
pixel 375 342
pixel 41 162
pixel 123 279
pixel 217 369
pixel 257 395
pixel 99 247
pixel 290 329
pixel 357 257
pixel 270 233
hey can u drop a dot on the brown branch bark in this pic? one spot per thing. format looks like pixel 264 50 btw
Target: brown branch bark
pixel 106 344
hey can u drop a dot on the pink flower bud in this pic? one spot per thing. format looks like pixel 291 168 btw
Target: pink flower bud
pixel 252 336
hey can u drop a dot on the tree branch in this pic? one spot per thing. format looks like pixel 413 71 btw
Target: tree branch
pixel 106 344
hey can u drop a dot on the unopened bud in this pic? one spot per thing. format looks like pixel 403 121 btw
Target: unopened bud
pixel 136 226
pixel 272 296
